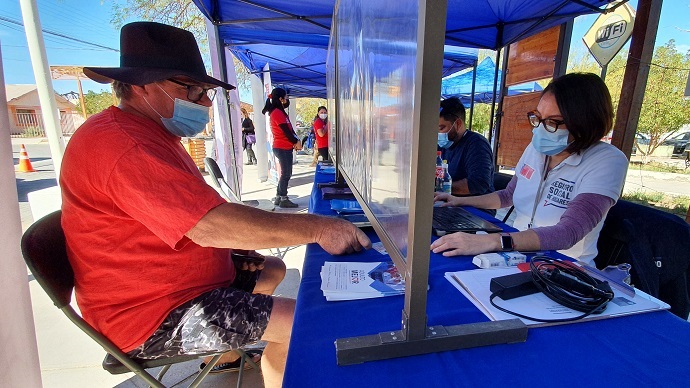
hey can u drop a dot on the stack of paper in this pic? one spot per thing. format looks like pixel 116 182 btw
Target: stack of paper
pixel 348 281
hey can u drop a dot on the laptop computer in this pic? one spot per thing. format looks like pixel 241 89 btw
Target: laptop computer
pixel 456 219
pixel 359 220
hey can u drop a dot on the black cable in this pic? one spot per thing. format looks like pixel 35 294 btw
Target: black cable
pixel 566 284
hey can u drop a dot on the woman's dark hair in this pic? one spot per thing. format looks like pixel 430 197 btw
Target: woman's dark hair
pixel 317 113
pixel 273 102
pixel 585 104
pixel 452 109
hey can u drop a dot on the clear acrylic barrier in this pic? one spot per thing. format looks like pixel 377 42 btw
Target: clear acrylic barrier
pixel 377 59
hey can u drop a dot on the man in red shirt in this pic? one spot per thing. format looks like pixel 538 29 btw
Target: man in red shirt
pixel 150 242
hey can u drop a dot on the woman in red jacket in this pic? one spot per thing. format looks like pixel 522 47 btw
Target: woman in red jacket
pixel 322 128
pixel 284 141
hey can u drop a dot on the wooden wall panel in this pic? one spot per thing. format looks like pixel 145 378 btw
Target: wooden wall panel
pixel 532 59
pixel 516 132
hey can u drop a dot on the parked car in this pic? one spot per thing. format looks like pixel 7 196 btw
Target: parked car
pixel 679 142
pixel 640 139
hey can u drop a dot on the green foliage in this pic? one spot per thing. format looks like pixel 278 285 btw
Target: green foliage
pixel 664 110
pixel 580 61
pixel 659 167
pixel 180 13
pixel 480 118
pixel 96 102
pixel 33 131
pixel 677 205
pixel 307 109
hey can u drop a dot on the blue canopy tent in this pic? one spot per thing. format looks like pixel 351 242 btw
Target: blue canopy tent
pixel 302 70
pixel 260 31
pixel 489 24
pixel 460 84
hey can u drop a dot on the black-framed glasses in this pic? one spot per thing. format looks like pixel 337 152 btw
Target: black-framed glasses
pixel 551 125
pixel 196 92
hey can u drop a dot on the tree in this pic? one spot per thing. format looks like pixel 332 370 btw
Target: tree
pixel 664 110
pixel 580 61
pixel 480 118
pixel 96 102
pixel 307 109
pixel 179 13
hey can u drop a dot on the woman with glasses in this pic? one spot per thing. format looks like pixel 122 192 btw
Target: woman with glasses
pixel 284 141
pixel 565 182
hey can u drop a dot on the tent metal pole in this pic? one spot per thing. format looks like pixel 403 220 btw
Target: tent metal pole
pixel 493 97
pixel 499 115
pixel 474 83
pixel 46 93
pixel 335 124
pixel 564 35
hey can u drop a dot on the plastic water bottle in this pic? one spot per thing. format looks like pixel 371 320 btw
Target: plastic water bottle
pixel 447 181
pixel 438 182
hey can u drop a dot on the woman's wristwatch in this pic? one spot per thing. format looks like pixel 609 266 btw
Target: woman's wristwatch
pixel 507 242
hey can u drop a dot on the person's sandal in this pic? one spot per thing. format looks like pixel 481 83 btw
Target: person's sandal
pixel 254 355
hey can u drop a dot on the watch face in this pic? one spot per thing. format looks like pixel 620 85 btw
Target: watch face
pixel 506 242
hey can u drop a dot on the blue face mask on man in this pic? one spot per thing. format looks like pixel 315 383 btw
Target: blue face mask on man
pixel 549 143
pixel 443 140
pixel 188 118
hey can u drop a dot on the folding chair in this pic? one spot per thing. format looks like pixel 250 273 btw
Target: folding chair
pixel 656 244
pixel 228 194
pixel 45 253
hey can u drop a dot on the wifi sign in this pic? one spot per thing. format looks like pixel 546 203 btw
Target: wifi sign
pixel 609 34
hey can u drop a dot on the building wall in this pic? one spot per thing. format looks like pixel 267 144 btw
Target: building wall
pixel 70 119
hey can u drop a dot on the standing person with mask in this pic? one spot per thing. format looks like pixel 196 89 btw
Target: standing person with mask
pixel 248 137
pixel 469 156
pixel 150 242
pixel 285 140
pixel 566 180
pixel 322 128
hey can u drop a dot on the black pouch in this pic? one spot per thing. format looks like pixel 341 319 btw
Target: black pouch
pixel 245 280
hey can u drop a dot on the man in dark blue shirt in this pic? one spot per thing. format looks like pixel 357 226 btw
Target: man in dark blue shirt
pixel 469 156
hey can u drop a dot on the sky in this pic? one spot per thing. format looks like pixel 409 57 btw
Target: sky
pixel 89 21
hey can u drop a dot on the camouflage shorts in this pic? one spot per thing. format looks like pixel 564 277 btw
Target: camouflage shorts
pixel 219 320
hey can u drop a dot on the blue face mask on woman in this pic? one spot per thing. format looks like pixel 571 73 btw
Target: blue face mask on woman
pixel 188 118
pixel 549 143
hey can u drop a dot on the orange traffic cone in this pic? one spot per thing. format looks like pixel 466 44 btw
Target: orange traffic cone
pixel 24 162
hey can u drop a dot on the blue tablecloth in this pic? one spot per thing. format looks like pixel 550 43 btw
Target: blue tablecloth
pixel 651 349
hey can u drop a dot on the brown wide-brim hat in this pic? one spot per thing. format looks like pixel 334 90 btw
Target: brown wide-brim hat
pixel 152 52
